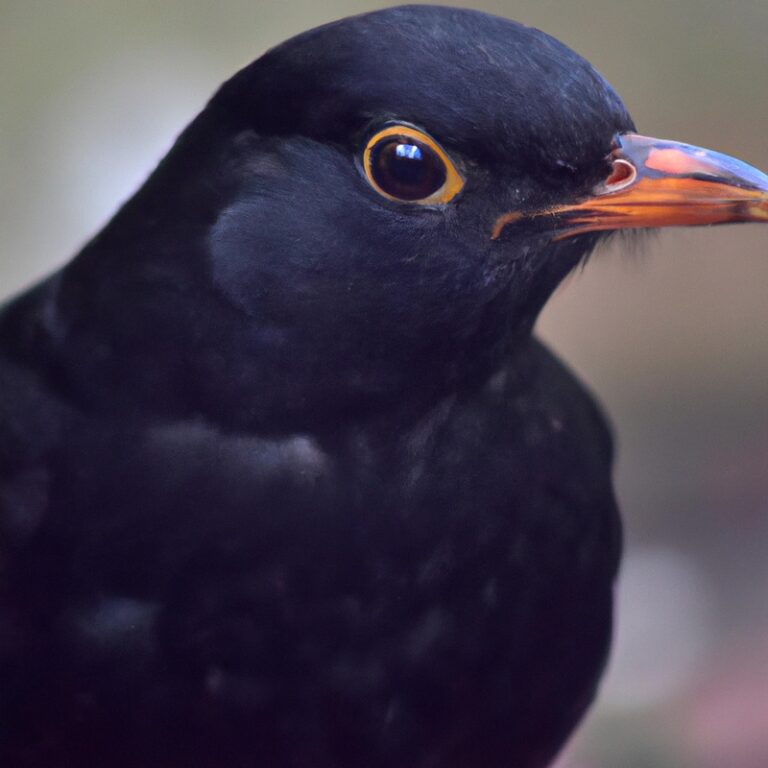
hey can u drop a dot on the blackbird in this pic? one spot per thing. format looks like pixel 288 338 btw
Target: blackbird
pixel 285 479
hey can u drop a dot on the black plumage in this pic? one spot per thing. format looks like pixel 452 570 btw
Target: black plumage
pixel 284 478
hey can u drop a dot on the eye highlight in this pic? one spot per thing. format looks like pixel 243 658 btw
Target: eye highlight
pixel 406 165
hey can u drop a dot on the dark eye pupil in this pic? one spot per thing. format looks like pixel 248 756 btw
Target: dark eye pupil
pixel 406 168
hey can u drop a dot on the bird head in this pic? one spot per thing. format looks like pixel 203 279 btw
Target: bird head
pixel 376 210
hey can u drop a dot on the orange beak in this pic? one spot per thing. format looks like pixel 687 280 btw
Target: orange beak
pixel 656 183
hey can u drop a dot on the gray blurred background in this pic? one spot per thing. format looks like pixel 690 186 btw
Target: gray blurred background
pixel 674 340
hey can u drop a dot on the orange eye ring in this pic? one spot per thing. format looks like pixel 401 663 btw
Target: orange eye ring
pixel 406 165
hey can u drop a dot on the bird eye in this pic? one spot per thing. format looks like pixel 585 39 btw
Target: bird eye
pixel 407 165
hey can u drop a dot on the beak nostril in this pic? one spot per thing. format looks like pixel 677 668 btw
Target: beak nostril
pixel 622 175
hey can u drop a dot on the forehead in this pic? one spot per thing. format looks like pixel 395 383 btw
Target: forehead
pixel 477 82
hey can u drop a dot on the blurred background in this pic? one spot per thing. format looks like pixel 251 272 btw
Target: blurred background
pixel 674 339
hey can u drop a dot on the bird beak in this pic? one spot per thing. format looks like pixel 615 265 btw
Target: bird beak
pixel 657 183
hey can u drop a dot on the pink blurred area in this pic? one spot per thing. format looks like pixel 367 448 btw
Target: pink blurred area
pixel 724 719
